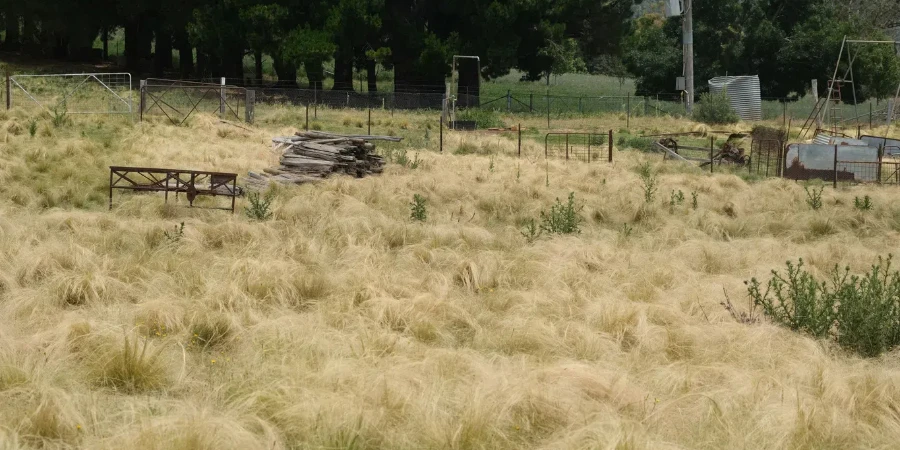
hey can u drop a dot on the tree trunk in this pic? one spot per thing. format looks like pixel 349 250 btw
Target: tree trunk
pixel 132 54
pixel 202 64
pixel 316 74
pixel 258 73
pixel 105 38
pixel 162 59
pixel 372 75
pixel 343 70
pixel 12 31
pixel 287 72
pixel 28 34
pixel 185 54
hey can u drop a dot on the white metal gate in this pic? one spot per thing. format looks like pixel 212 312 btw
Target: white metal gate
pixel 81 93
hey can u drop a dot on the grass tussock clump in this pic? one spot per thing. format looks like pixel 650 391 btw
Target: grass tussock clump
pixel 129 364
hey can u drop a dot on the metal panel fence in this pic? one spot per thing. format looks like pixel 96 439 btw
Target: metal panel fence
pixel 178 100
pixel 81 93
pixel 587 147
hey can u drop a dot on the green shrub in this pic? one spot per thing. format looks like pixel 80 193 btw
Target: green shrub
pixel 649 182
pixel 814 197
pixel 484 118
pixel 715 109
pixel 563 218
pixel 176 234
pixel 260 207
pixel 643 144
pixel 861 314
pixel 864 204
pixel 531 231
pixel 32 127
pixel 418 210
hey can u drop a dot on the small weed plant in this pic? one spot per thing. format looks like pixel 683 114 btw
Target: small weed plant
pixel 176 235
pixel 403 159
pixel 32 127
pixel 491 166
pixel 649 182
pixel 694 200
pixel 627 230
pixel 860 313
pixel 59 116
pixel 260 208
pixel 531 232
pixel 563 218
pixel 675 199
pixel 864 204
pixel 418 210
pixel 814 197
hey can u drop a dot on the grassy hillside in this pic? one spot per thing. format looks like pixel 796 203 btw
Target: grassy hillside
pixel 341 323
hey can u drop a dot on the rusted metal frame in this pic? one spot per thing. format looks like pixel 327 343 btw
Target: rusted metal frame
pixel 160 97
pixel 208 90
pixel 171 119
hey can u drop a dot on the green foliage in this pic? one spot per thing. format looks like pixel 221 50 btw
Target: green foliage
pixel 491 165
pixel 694 200
pixel 418 210
pixel 861 314
pixel 715 109
pixel 864 204
pixel 531 231
pixel 176 233
pixel 403 160
pixel 814 197
pixel 483 117
pixel 308 46
pixel 563 218
pixel 627 230
pixel 649 182
pixel 676 199
pixel 260 208
pixel 32 127
pixel 59 116
pixel 564 54
pixel 636 142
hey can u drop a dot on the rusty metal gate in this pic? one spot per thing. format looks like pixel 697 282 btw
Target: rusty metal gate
pixel 766 157
pixel 178 100
pixel 587 147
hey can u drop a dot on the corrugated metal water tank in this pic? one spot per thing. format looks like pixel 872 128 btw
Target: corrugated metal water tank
pixel 743 92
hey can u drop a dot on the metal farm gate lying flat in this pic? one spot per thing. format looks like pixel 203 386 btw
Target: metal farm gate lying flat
pixel 178 100
pixel 586 147
pixel 72 93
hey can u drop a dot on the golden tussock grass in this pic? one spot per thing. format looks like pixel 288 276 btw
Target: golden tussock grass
pixel 341 323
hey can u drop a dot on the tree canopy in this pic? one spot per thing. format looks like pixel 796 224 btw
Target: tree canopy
pixel 785 42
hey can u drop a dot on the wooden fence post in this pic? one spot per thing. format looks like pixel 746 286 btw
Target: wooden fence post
pixel 835 166
pixel 610 145
pixel 222 99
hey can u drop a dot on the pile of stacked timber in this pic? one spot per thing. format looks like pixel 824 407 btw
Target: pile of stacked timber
pixel 313 155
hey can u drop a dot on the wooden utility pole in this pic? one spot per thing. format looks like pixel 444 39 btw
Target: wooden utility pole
pixel 688 41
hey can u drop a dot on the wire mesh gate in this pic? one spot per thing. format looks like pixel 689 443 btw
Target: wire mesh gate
pixel 74 93
pixel 586 147
pixel 766 157
pixel 178 100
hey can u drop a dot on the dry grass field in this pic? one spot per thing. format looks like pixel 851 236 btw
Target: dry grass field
pixel 343 324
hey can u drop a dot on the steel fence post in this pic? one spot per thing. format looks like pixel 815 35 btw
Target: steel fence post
pixel 567 146
pixel 628 113
pixel 531 101
pixel 370 120
pixel 548 111
pixel 520 140
pixel 508 100
pixel 712 143
pixel 442 134
pixel 8 91
pixel 307 116
pixel 835 166
pixel 143 96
